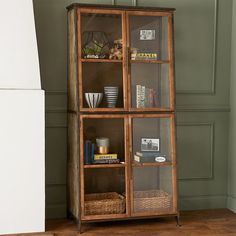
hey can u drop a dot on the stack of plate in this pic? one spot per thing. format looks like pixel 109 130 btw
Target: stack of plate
pixel 111 94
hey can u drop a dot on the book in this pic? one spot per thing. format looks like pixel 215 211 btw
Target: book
pixel 87 152
pixel 142 102
pixel 138 95
pixel 150 159
pixel 104 156
pixel 107 161
pixel 148 154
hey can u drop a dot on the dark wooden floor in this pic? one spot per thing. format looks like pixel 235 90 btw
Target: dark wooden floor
pixel 205 222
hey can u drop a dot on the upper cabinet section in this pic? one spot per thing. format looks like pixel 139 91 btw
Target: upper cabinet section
pixel 124 60
pixel 149 41
pixel 102 70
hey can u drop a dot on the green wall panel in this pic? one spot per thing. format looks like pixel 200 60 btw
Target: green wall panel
pixel 195 144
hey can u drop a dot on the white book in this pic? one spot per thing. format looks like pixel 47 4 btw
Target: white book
pixel 138 95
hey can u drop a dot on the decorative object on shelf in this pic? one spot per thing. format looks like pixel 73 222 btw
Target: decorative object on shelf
pixel 93 99
pixel 147 34
pixel 134 52
pixel 111 94
pixel 104 203
pixel 150 144
pixel 95 44
pixel 152 200
pixel 103 145
pixel 145 97
pixel 116 50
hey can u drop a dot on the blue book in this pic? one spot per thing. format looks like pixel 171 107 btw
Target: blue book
pixel 92 153
pixel 87 152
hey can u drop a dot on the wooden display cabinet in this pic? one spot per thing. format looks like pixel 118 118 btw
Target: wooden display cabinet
pixel 130 48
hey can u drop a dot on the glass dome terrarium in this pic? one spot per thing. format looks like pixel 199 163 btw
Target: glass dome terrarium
pixel 95 45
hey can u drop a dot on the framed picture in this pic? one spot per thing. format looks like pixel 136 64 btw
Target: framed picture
pixel 147 35
pixel 150 144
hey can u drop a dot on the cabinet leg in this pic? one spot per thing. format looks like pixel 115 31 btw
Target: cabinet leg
pixel 79 225
pixel 177 218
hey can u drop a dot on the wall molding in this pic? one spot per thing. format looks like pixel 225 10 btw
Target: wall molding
pixel 212 90
pixel 202 108
pixel 212 137
pixel 203 202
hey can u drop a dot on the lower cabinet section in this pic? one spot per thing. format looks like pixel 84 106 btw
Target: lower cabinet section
pixel 126 167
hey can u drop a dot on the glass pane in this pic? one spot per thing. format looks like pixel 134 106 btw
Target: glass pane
pixel 104 191
pixel 152 189
pixel 101 36
pixel 149 37
pixel 112 133
pixel 97 76
pixel 104 186
pixel 151 139
pixel 150 85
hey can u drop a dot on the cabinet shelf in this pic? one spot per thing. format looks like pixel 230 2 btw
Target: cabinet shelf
pixel 167 163
pixel 104 166
pixel 100 60
pixel 101 109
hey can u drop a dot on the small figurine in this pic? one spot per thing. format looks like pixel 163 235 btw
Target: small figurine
pixel 116 50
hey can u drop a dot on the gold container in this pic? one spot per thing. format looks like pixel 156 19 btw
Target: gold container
pixel 103 149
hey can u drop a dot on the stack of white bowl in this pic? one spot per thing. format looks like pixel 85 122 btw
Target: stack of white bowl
pixel 111 94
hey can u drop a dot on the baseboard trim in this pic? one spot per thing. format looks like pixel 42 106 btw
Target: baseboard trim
pixel 56 211
pixel 231 203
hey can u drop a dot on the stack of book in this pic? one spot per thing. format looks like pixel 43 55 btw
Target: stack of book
pixel 91 158
pixel 106 159
pixel 147 157
pixel 145 97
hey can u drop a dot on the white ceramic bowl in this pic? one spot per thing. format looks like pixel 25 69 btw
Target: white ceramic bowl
pixel 93 99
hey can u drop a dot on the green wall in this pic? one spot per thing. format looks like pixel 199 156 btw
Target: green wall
pixel 232 133
pixel 202 43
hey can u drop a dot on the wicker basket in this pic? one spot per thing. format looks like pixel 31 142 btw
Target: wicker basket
pixel 152 200
pixel 104 203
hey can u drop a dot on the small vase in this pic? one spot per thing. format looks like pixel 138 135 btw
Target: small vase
pixel 111 94
pixel 103 145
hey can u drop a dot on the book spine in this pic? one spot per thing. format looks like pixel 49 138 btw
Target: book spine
pixel 136 158
pixel 138 95
pixel 92 153
pixel 105 157
pixel 87 152
pixel 142 96
pixel 112 161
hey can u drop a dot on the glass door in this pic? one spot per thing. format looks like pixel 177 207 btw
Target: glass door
pixel 103 166
pixel 151 76
pixel 153 165
pixel 101 50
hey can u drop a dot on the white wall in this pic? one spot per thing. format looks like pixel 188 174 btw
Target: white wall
pixel 22 124
pixel 18 48
pixel 232 133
